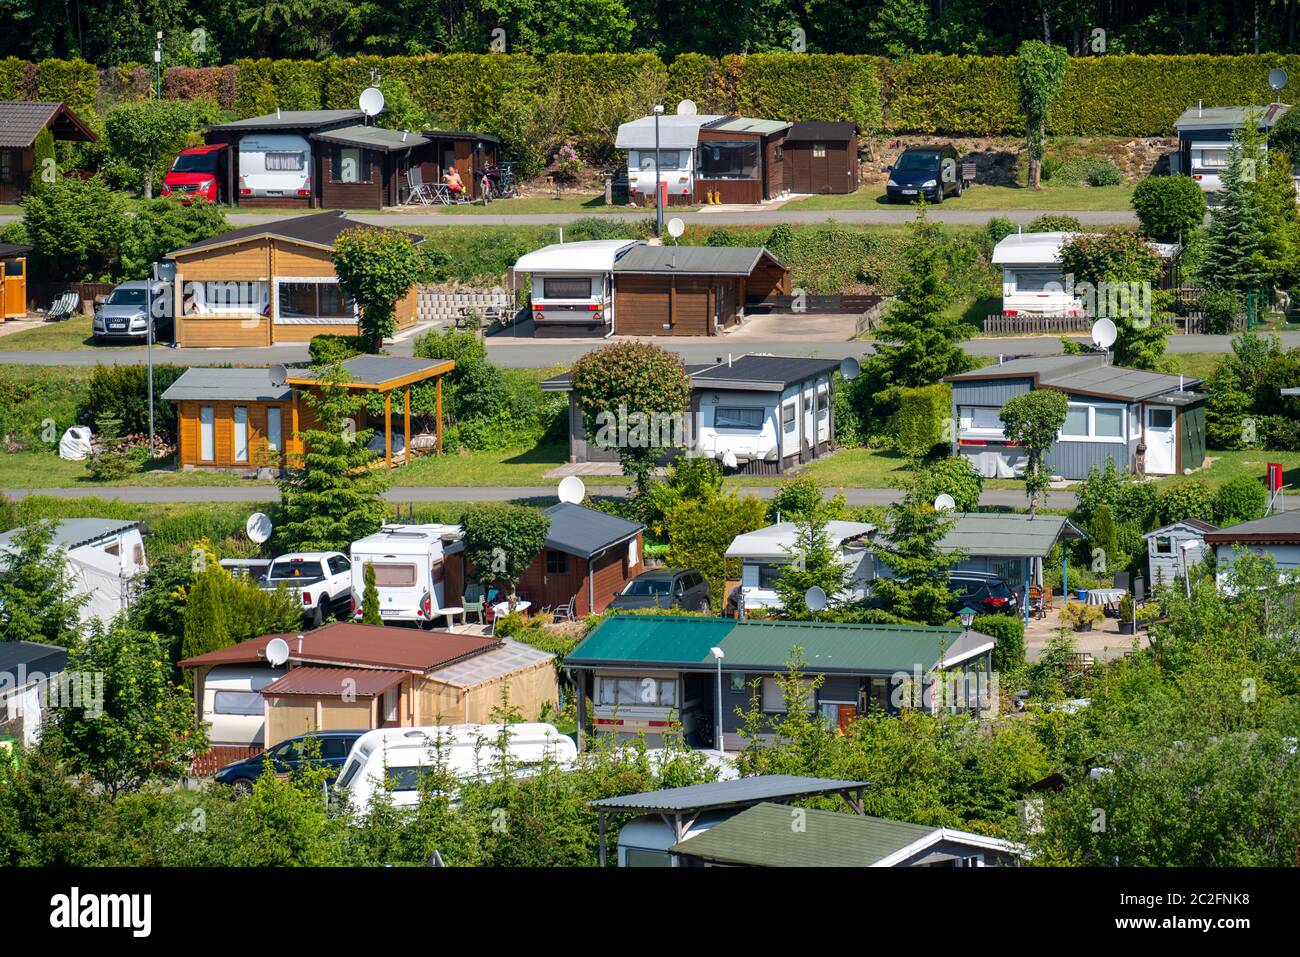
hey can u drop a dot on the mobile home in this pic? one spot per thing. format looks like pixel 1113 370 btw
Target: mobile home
pixel 408 562
pixel 1205 136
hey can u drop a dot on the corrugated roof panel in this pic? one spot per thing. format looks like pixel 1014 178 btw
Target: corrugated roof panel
pixel 653 639
pixel 763 787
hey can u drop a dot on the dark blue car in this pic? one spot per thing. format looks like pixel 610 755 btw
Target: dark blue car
pixel 931 172
pixel 290 755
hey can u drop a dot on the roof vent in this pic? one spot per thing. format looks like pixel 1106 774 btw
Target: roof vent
pixel 1198 108
pixel 277 112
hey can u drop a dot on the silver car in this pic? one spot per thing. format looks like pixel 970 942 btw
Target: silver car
pixel 124 315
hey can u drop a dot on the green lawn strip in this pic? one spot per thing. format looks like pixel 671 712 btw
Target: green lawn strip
pixel 72 333
pixel 990 198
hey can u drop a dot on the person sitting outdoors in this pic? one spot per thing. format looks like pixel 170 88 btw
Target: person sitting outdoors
pixel 452 179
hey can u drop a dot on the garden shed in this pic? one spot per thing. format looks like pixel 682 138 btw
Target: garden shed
pixel 1176 547
pixel 21 121
pixel 821 157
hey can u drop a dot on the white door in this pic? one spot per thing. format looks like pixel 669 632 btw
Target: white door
pixel 1160 440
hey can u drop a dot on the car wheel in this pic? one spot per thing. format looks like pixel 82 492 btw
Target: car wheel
pixel 242 787
pixel 957 192
pixel 938 195
pixel 705 606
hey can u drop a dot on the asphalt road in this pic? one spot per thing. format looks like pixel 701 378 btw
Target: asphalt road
pixel 1007 498
pixel 542 353
pixel 876 216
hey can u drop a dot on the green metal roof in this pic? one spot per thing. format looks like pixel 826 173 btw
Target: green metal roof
pixel 763 836
pixel 765 646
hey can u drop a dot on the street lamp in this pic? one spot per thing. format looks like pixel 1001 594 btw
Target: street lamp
pixel 717 725
pixel 659 189
pixel 967 616
pixel 1186 547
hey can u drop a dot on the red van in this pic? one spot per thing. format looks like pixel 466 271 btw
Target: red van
pixel 198 171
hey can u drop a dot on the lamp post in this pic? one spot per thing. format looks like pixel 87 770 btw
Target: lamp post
pixel 717 725
pixel 659 188
pixel 967 616
pixel 1186 547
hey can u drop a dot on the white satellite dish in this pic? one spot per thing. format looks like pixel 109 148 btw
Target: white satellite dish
pixel 279 375
pixel 686 108
pixel 849 368
pixel 676 227
pixel 1277 78
pixel 945 503
pixel 258 527
pixel 815 598
pixel 572 490
pixel 277 652
pixel 1104 333
pixel 371 101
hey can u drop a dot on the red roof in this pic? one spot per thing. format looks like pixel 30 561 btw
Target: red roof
pixel 361 682
pixel 359 646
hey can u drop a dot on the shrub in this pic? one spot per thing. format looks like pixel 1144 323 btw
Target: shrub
pixel 1009 633
pixel 1187 500
pixel 921 417
pixel 1104 174
pixel 953 475
pixel 76 228
pixel 329 349
pixel 120 393
pixel 1220 307
pixel 1242 499
pixel 1054 223
pixel 797 499
pixel 1169 207
pixel 997 229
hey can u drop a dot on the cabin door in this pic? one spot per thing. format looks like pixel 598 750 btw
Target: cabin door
pixel 1160 438
pixel 15 288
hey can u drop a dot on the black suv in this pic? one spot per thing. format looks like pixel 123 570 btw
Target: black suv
pixel 929 171
pixel 288 756
pixel 987 594
pixel 665 588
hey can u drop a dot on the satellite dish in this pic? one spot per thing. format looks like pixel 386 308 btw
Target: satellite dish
pixel 279 375
pixel 258 527
pixel 371 101
pixel 1277 78
pixel 277 652
pixel 849 368
pixel 945 503
pixel 572 490
pixel 1104 333
pixel 676 227
pixel 815 598
pixel 688 108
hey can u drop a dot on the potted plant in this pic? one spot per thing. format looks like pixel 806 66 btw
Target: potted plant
pixel 1082 616
pixel 1125 614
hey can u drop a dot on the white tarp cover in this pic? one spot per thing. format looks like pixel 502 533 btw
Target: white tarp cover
pixel 105 589
pixel 75 444
pixel 992 465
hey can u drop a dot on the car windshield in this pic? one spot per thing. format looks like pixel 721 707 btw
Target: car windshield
pixel 195 163
pixel 294 571
pixel 126 297
pixel 647 587
pixel 917 161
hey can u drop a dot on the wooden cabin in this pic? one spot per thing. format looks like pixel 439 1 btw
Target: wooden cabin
pixel 691 290
pixel 270 283
pixel 13 280
pixel 20 122
pixel 821 158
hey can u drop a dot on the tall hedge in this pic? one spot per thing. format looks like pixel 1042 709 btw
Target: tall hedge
pixel 963 95
pixel 921 415
pixel 800 86
pixel 74 82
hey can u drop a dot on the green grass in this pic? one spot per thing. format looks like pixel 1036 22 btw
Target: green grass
pixel 521 466
pixel 41 469
pixel 1226 466
pixel 847 468
pixel 72 333
pixel 991 198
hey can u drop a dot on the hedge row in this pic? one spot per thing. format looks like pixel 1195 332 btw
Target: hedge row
pixel 969 96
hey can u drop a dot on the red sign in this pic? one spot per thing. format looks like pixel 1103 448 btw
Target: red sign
pixel 1274 476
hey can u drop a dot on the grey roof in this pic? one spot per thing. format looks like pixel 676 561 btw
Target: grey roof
pixel 762 837
pixel 762 373
pixel 70 533
pixel 808 130
pixel 721 794
pixel 371 138
pixel 693 260
pixel 980 534
pixel 499 662
pixel 1278 528
pixel 676 132
pixel 1228 117
pixel 377 370
pixel 313 229
pixel 1088 375
pixel 220 385
pixel 564 381
pixel 21 120
pixel 1193 523
pixel 460 135
pixel 746 124
pixel 9 250
pixel 586 532
pixel 32 656
pixel 293 120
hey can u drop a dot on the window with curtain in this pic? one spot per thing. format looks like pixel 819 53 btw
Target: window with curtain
pixel 1108 423
pixel 774 696
pixel 219 296
pixel 273 436
pixel 729 159
pixel 240 427
pixel 579 288
pixel 632 692
pixel 733 418
pixel 312 300
pixel 207 433
pixel 237 702
pixel 280 161
pixel 1076 421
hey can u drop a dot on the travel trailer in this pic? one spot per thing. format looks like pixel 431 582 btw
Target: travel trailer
pixel 398 758
pixel 1032 282
pixel 275 165
pixel 408 562
pixel 572 284
pixel 767 552
pixel 233 708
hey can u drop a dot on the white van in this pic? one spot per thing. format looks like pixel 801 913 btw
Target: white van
pixel 398 757
pixel 408 562
pixel 232 704
pixel 275 164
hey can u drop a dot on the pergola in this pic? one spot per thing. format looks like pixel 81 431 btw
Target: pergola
pixel 384 374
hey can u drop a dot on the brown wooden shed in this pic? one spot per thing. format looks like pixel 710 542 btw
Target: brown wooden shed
pixel 821 158
pixel 691 290
pixel 20 122
pixel 740 160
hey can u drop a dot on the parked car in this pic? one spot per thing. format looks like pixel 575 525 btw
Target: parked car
pixel 322 579
pixel 289 756
pixel 198 171
pixel 929 171
pixel 987 594
pixel 665 588
pixel 125 314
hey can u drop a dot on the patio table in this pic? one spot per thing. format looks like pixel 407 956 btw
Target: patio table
pixel 1106 596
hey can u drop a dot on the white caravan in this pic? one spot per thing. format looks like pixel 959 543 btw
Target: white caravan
pixel 408 562
pixel 233 708
pixel 573 283
pixel 275 164
pixel 1032 283
pixel 766 553
pixel 397 759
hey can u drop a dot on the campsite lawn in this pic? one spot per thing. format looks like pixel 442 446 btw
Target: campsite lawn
pixel 72 333
pixel 41 469
pixel 990 198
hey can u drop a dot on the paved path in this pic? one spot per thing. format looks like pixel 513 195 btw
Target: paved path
pixel 1006 498
pixel 878 216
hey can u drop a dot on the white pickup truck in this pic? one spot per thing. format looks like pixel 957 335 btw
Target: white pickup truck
pixel 323 580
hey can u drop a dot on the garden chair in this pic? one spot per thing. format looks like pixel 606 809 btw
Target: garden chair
pixel 564 612
pixel 1040 600
pixel 417 189
pixel 63 307
pixel 472 602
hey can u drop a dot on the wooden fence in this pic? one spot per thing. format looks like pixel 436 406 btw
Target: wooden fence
pixel 214 759
pixel 40 295
pixel 1191 324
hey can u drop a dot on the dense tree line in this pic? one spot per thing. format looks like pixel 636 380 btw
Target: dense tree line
pixel 108 32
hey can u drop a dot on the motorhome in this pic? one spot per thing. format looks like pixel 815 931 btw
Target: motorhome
pixel 572 284
pixel 398 759
pixel 275 165
pixel 408 562
pixel 232 704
